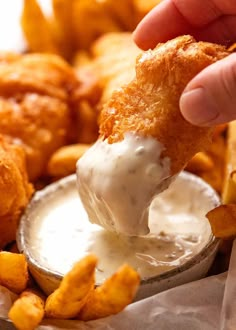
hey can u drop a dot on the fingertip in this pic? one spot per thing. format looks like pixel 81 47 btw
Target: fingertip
pixel 141 39
pixel 198 108
pixel 136 38
pixel 148 32
pixel 210 99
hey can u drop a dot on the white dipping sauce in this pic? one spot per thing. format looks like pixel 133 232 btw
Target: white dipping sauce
pixel 59 232
pixel 118 181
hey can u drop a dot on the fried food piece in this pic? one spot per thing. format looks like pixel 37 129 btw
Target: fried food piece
pixel 144 140
pixel 149 104
pixel 232 48
pixel 27 311
pixel 95 17
pixel 33 19
pixel 223 221
pixel 8 57
pixel 45 74
pixel 210 165
pixel 217 152
pixel 229 185
pixel 36 101
pixel 13 271
pixel 123 12
pixel 111 65
pixel 91 88
pixel 62 26
pixel 200 162
pixel 114 61
pixel 112 296
pixel 15 189
pixel 87 118
pixel 66 301
pixel 142 7
pixel 39 125
pixel 63 161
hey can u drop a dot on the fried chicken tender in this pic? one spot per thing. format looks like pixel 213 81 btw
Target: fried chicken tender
pixel 15 189
pixel 36 101
pixel 144 140
pixel 149 105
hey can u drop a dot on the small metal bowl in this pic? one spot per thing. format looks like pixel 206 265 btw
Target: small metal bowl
pixel 193 269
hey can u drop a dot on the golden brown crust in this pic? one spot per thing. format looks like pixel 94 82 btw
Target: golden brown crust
pixel 15 189
pixel 37 94
pixel 149 105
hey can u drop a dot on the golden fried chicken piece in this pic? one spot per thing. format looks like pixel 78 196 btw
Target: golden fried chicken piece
pixel 36 100
pixel 144 140
pixel 149 105
pixel 15 189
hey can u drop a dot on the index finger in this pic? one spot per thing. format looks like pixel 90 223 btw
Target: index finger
pixel 176 17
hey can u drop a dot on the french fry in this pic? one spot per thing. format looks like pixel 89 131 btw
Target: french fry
pixel 27 311
pixel 63 161
pixel 217 152
pixel 200 162
pixel 36 28
pixel 223 221
pixel 229 186
pixel 232 48
pixel 62 26
pixel 13 271
pixel 92 14
pixel 122 11
pixel 112 296
pixel 66 301
pixel 87 123
pixel 229 190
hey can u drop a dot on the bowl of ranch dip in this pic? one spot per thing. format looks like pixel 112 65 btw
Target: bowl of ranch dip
pixel 55 232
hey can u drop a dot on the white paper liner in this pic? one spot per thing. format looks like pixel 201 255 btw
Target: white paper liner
pixel 228 313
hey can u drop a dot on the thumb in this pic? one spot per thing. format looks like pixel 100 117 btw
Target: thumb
pixel 210 98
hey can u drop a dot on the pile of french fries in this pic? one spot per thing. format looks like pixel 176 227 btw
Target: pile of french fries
pixel 75 24
pixel 71 32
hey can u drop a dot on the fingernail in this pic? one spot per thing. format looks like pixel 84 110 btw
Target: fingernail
pixel 198 107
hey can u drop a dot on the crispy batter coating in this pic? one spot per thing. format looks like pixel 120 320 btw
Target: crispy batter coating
pixel 27 311
pixel 15 189
pixel 112 296
pixel 14 273
pixel 149 105
pixel 36 100
pixel 68 299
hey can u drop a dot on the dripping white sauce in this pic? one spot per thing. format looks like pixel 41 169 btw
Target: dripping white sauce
pixel 118 181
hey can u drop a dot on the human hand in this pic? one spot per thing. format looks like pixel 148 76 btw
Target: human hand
pixel 210 98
